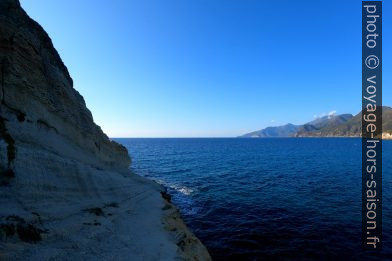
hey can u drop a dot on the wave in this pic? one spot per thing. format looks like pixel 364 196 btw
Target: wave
pixel 179 188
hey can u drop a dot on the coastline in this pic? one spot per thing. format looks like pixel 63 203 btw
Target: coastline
pixel 384 137
pixel 115 215
pixel 66 190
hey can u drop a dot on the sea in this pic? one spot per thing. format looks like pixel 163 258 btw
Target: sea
pixel 269 198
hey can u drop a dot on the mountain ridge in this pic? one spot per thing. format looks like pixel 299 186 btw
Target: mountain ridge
pixel 343 125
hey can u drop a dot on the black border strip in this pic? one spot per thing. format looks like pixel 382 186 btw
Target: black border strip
pixel 372 125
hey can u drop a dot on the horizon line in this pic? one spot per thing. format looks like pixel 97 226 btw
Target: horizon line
pixel 190 137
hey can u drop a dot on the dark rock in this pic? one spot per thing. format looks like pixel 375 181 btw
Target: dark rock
pixel 7 229
pixel 28 233
pixel 166 196
pixel 96 211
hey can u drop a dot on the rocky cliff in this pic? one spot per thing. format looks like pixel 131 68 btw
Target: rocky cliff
pixel 38 102
pixel 65 189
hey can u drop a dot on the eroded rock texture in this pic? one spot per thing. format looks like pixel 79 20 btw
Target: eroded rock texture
pixel 39 105
pixel 66 192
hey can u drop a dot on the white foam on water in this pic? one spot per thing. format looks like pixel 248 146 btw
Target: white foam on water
pixel 179 188
pixel 182 189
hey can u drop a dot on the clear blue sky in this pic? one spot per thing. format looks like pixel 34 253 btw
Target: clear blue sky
pixel 196 68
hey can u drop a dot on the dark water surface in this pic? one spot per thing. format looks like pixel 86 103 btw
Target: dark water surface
pixel 263 199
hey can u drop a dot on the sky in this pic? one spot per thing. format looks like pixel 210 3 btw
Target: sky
pixel 210 68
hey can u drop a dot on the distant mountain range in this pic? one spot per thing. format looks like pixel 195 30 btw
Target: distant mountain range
pixel 343 125
pixel 287 130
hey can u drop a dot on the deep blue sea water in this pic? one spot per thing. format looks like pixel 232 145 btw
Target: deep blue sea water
pixel 268 199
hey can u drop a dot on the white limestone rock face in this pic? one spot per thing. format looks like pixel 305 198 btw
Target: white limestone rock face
pixel 66 191
pixel 38 102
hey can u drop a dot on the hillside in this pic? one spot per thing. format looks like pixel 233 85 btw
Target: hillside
pixel 327 122
pixel 344 125
pixel 351 128
pixel 287 130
